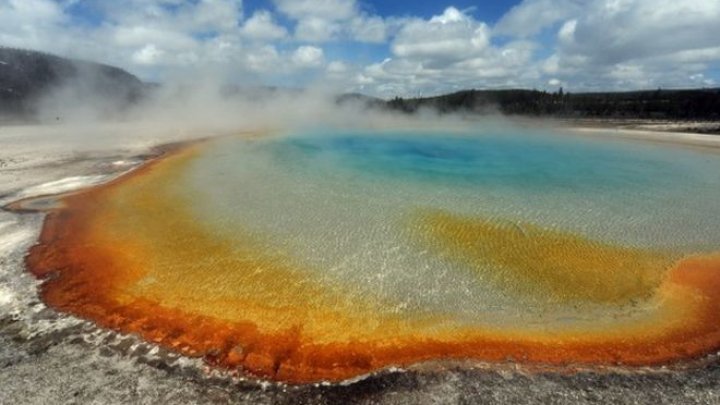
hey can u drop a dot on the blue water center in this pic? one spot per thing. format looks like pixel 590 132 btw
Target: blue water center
pixel 541 162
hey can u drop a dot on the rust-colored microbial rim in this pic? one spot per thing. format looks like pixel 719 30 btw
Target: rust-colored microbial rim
pixel 93 274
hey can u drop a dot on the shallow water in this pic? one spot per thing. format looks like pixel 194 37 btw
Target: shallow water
pixel 327 255
pixel 340 202
pixel 639 194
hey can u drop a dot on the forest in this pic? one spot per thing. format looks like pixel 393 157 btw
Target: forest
pixel 690 104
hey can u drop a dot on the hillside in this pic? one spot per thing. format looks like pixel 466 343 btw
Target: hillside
pixel 26 77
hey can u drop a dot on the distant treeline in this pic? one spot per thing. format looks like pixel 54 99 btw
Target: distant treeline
pixel 653 104
pixel 27 76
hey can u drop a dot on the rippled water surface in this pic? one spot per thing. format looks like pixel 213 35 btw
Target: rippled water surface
pixel 341 202
pixel 327 254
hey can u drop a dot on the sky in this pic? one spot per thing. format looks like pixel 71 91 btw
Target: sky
pixel 385 48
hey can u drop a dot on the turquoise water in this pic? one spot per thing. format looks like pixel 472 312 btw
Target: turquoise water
pixel 543 163
pixel 339 203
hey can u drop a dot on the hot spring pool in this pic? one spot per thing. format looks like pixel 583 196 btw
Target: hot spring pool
pixel 330 254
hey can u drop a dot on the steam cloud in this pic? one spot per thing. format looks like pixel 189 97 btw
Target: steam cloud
pixel 210 106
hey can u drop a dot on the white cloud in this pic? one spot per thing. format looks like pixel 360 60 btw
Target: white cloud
pixel 264 59
pixel 148 55
pixel 566 35
pixel 183 16
pixel 337 67
pixel 30 23
pixel 29 11
pixel 703 55
pixel 139 35
pixel 308 57
pixel 332 20
pixel 333 10
pixel 505 66
pixel 447 52
pixel 448 37
pixel 368 29
pixel 626 44
pixel 261 26
pixel 699 79
pixel 532 16
pixel 221 15
pixel 598 44
pixel 612 31
pixel 315 29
